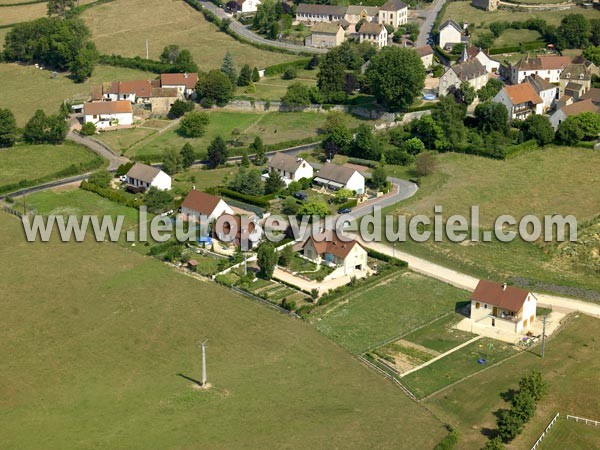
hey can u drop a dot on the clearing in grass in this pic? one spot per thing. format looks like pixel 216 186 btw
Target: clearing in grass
pixel 100 333
pixel 35 164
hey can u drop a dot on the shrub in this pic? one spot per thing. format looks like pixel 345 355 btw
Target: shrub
pixel 88 129
pixel 449 442
pixel 290 73
pixel 290 305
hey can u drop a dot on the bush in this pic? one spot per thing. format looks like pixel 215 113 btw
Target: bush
pixel 290 305
pixel 88 129
pixel 449 442
pixel 194 124
pixel 278 69
pixel 386 258
pixel 290 73
pixel 147 65
pixel 179 108
pixel 252 200
pixel 110 194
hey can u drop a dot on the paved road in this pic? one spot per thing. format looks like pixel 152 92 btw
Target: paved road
pixel 246 33
pixel 114 160
pixel 430 15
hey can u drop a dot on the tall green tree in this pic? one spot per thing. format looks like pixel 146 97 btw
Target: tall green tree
pixel 539 128
pixel 228 68
pixel 185 62
pixel 267 259
pixel 297 96
pixel 194 124
pixel 366 145
pixel 245 162
pixel 248 182
pixel 574 31
pixel 255 75
pixel 217 152
pixel 331 78
pixel 274 183
pixel 172 161
pixel 257 147
pixel 82 66
pixel 396 76
pixel 245 76
pixel 338 136
pixel 36 128
pixel 158 201
pixel 450 116
pixel 169 54
pixel 215 87
pixel 489 91
pixel 569 132
pixel 492 116
pixel 8 128
pixel 188 155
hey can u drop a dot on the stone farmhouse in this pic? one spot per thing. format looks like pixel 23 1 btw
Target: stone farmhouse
pixel 375 33
pixel 326 35
pixel 471 71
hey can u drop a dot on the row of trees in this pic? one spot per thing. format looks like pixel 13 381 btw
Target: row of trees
pixel 40 129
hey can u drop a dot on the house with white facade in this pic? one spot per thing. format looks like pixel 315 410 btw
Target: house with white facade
pixel 375 33
pixel 309 13
pixel 108 115
pixel 357 13
pixel 451 33
pixel 547 91
pixel 142 177
pixel 491 65
pixel 471 71
pixel 290 168
pixel 248 6
pixel 426 55
pixel 197 205
pixel 521 100
pixel 334 177
pixel 573 109
pixel 136 91
pixel 394 13
pixel 349 257
pixel 548 67
pixel 504 307
pixel 185 83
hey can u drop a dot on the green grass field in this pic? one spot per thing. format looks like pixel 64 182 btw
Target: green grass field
pixel 440 335
pixel 272 127
pixel 42 162
pixel 368 317
pixel 273 88
pixel 570 363
pixel 121 140
pixel 570 434
pixel 201 178
pixel 572 191
pixel 514 37
pixel 92 346
pixel 169 22
pixel 25 88
pixel 456 366
pixel 463 11
pixel 23 13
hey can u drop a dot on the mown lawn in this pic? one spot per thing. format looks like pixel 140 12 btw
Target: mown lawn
pixel 457 365
pixel 169 22
pixel 570 434
pixel 273 88
pixel 570 364
pixel 462 181
pixel 440 335
pixel 121 140
pixel 368 317
pixel 43 162
pixel 96 348
pixel 201 178
pixel 514 37
pixel 25 88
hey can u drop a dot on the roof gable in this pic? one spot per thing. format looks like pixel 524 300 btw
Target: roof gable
pixel 333 172
pixel 288 163
pixel 522 93
pixel 501 295
pixel 143 172
pixel 451 24
pixel 335 246
pixel 116 107
pixel 201 202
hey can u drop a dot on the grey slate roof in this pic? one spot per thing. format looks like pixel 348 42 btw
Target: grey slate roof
pixel 393 5
pixel 143 172
pixel 333 172
pixel 467 70
pixel 325 10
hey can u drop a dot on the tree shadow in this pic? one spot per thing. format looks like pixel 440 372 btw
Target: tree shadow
pixel 463 308
pixel 198 382
pixel 508 396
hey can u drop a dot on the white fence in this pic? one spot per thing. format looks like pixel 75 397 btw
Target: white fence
pixel 584 420
pixel 539 441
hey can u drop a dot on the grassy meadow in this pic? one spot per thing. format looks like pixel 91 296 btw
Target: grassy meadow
pixel 394 306
pixel 25 88
pixel 570 434
pixel 98 349
pixel 169 22
pixel 42 162
pixel 569 366
pixel 517 186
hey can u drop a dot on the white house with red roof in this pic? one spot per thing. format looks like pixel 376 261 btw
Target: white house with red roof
pixel 184 82
pixel 504 307
pixel 348 256
pixel 521 100
pixel 107 115
pixel 198 204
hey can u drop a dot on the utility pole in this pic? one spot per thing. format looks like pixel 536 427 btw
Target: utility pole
pixel 204 363
pixel 544 336
pixel 147 52
pixel 245 264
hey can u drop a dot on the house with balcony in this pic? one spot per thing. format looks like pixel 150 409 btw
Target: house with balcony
pixel 347 256
pixel 507 308
pixel 521 100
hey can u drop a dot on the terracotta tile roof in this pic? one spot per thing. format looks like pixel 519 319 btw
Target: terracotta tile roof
pixel 96 93
pixel 163 92
pixel 188 80
pixel 143 172
pixel 141 88
pixel 543 62
pixel 522 93
pixel 201 202
pixel 282 161
pixel 501 295
pixel 335 247
pixel 593 94
pixel 116 107
pixel 371 28
pixel 580 107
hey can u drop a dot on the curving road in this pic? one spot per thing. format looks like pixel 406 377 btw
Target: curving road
pixel 246 33
pixel 97 147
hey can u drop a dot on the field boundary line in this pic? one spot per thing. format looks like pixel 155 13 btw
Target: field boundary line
pixel 543 435
pixel 388 376
pixel 443 355
pixel 583 419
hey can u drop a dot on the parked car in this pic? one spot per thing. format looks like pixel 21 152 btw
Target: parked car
pixel 301 196
pixel 344 211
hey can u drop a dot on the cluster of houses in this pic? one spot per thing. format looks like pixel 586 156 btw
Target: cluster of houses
pixel 332 24
pixel 112 105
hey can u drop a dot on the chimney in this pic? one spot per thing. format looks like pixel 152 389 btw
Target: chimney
pixel 503 286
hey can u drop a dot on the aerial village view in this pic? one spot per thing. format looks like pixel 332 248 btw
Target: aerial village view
pixel 307 224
